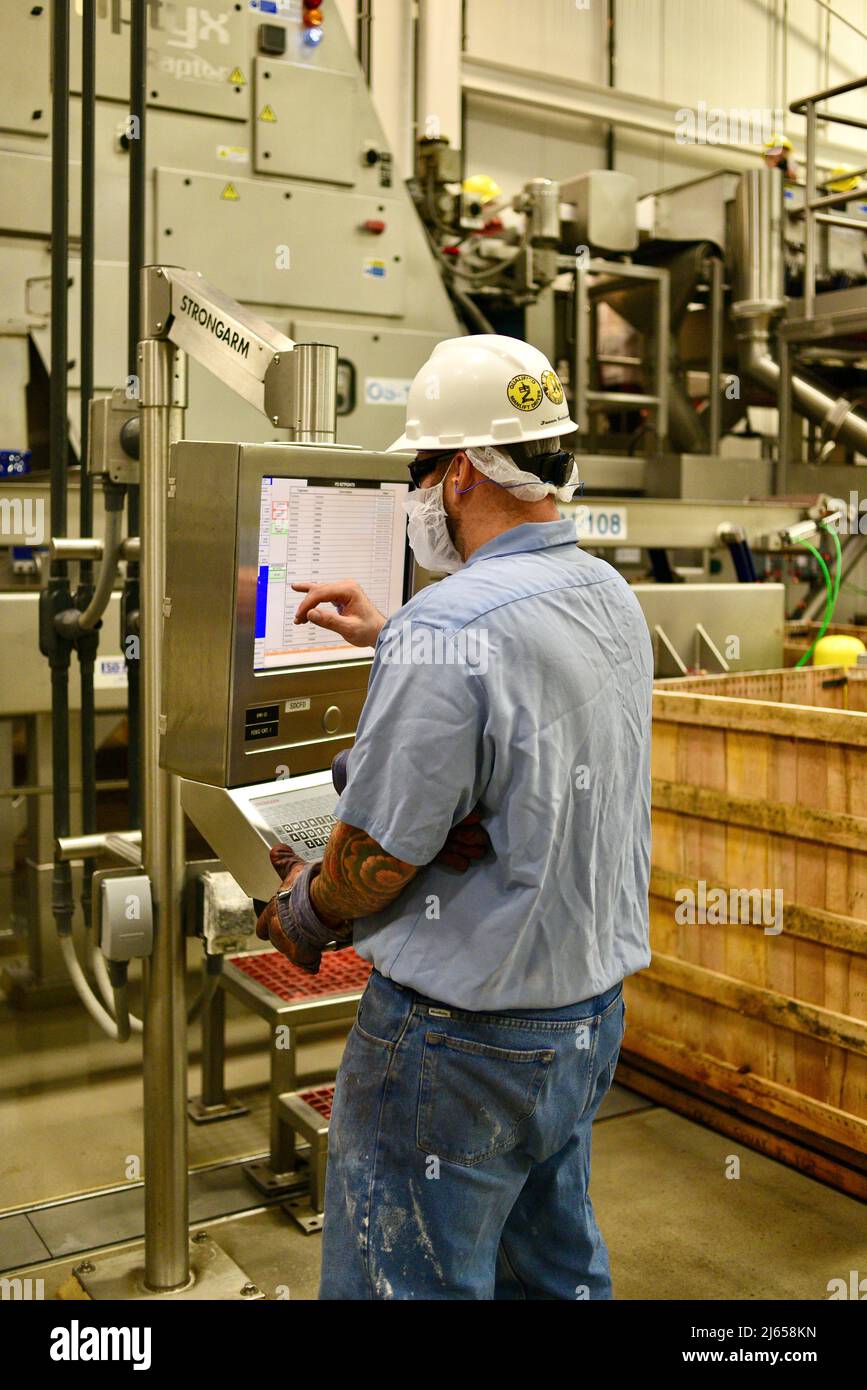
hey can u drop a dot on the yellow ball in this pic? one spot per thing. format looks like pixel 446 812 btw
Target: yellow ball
pixel 838 651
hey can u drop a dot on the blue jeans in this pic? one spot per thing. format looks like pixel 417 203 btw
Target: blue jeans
pixel 459 1150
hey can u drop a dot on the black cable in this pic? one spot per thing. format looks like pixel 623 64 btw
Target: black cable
pixel 88 642
pixel 56 597
pixel 137 192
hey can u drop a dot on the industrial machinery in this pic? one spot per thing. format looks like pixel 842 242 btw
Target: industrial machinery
pixel 310 286
pixel 239 141
pixel 674 321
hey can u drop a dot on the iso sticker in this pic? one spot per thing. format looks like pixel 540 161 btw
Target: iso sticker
pixel 524 392
pixel 552 388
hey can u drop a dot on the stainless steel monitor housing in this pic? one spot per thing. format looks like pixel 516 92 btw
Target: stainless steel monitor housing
pixel 222 722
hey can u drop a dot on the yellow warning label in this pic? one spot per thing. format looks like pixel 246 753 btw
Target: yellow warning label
pixel 524 392
pixel 552 387
pixel 231 194
pixel 237 78
pixel 266 114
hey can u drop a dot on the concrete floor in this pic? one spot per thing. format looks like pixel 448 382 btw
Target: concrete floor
pixel 676 1226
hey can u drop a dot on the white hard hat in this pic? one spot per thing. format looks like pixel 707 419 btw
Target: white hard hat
pixel 483 389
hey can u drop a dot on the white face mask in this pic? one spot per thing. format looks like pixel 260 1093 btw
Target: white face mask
pixel 427 528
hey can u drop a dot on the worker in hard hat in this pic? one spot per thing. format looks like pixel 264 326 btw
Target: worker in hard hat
pixel 778 155
pixel 482 187
pixel 842 180
pixel 482 205
pixel 518 691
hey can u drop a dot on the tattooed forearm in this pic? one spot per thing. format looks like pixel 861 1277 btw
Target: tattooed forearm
pixel 357 876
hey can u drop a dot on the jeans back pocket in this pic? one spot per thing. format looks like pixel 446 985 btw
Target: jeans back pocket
pixel 473 1097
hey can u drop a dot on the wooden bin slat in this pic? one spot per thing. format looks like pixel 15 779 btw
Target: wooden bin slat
pixel 763 1004
pixel 811 924
pixel 757 1091
pixel 760 781
pixel 803 823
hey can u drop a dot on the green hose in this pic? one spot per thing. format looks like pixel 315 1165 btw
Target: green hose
pixel 832 588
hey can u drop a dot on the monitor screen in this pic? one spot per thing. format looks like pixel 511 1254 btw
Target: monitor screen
pixel 314 531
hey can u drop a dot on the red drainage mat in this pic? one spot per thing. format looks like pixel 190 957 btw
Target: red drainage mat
pixel 341 972
pixel 320 1100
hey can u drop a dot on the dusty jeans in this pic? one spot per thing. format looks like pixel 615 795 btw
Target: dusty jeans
pixel 459 1151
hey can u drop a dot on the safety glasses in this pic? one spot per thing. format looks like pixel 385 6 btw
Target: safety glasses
pixel 419 468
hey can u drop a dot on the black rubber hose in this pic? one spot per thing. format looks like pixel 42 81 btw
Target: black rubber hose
pixel 136 256
pixel 88 643
pixel 57 597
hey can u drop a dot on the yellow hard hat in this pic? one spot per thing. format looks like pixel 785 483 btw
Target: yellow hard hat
pixel 778 142
pixel 838 651
pixel 483 186
pixel 841 181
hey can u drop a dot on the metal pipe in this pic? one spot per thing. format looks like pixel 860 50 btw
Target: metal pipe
pixel 716 353
pixel 611 59
pixel 810 216
pixel 81 846
pixel 58 406
pixel 87 646
pixel 314 379
pixel 136 258
pixel 799 106
pixel 167 1262
pixel 834 200
pixel 137 176
pixel 362 36
pixel 77 548
pixel 57 597
pixel 784 419
pixel 807 397
pixel 838 219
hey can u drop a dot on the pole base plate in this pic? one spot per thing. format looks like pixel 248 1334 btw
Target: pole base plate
pixel 229 1109
pixel 213 1276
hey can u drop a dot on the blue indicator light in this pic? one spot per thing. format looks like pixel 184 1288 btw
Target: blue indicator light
pixel 313 37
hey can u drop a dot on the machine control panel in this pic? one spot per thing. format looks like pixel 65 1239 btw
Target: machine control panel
pixel 242 823
pixel 249 695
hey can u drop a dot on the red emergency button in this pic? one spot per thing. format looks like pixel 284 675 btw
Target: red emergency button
pixel 374 226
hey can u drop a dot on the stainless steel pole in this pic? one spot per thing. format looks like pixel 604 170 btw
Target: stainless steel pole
pixel 810 215
pixel 717 307
pixel 167 1257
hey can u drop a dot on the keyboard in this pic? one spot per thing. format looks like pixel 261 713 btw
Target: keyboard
pixel 308 830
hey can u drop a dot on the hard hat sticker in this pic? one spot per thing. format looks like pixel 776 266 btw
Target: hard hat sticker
pixel 552 388
pixel 524 392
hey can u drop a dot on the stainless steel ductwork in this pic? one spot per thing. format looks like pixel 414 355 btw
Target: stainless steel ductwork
pixel 759 295
pixel 835 414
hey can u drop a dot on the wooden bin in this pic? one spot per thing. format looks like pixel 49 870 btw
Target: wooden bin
pixel 798 637
pixel 760 782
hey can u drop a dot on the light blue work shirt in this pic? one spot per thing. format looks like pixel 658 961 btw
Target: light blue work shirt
pixel 521 684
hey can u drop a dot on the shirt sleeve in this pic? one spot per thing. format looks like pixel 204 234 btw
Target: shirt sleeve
pixel 416 768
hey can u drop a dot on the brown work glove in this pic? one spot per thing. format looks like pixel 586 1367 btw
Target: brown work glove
pixel 466 843
pixel 268 928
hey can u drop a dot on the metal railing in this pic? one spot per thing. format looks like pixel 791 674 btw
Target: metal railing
pixel 813 211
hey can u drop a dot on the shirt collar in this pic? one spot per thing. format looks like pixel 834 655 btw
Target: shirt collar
pixel 531 535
